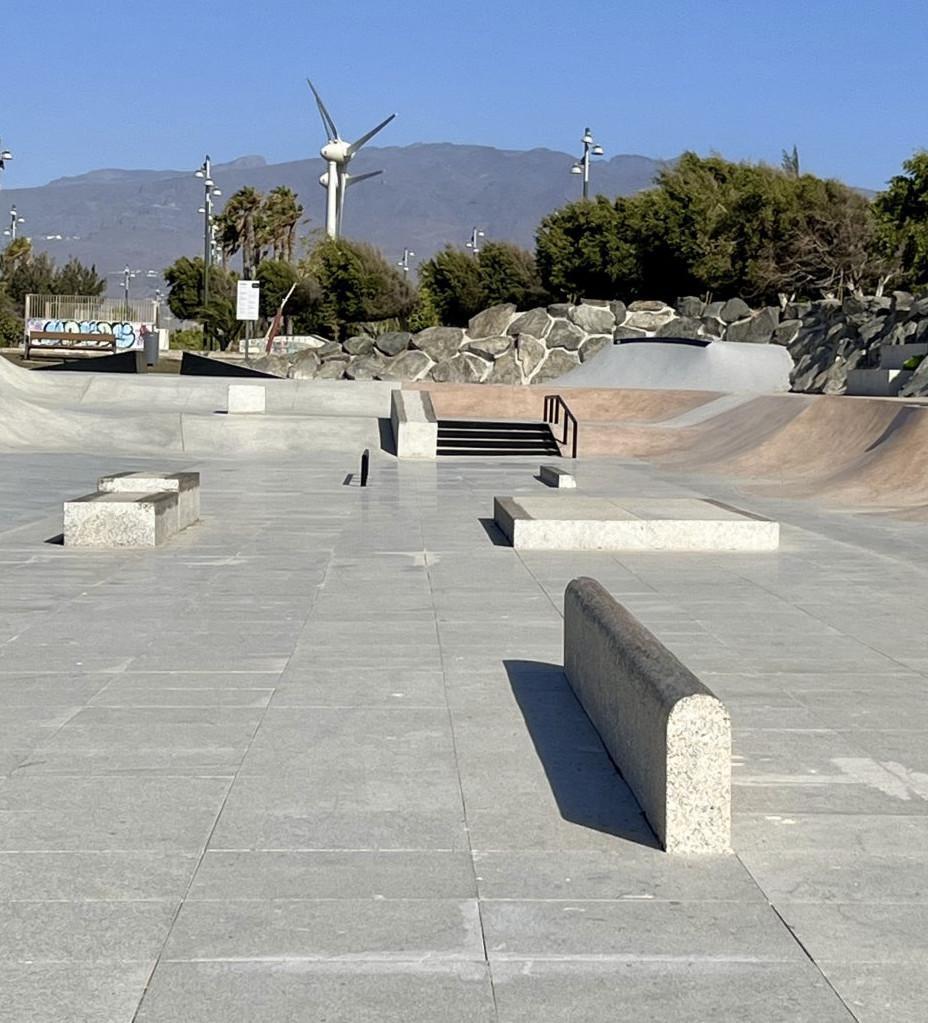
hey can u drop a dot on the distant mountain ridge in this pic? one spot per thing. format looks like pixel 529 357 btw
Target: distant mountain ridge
pixel 430 195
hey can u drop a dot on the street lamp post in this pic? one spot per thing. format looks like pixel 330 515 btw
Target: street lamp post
pixel 209 193
pixel 582 166
pixel 15 221
pixel 5 155
pixel 403 264
pixel 474 243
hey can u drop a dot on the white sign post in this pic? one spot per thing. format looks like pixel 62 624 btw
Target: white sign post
pixel 247 304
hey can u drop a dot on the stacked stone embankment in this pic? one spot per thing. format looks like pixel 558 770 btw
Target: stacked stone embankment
pixel 503 345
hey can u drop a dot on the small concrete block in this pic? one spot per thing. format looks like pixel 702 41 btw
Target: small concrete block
pixel 128 519
pixel 667 733
pixel 186 484
pixel 246 398
pixel 555 476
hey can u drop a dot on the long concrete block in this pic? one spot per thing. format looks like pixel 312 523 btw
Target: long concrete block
pixel 186 484
pixel 555 476
pixel 128 519
pixel 666 732
pixel 415 428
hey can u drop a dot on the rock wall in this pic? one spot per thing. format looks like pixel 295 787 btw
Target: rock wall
pixel 502 345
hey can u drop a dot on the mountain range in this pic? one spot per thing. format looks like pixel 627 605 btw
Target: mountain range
pixel 429 195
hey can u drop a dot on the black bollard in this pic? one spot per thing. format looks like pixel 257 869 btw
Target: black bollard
pixel 365 466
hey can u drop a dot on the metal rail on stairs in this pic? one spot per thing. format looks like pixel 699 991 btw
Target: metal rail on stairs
pixel 554 406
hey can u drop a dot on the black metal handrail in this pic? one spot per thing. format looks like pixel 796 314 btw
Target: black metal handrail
pixel 554 404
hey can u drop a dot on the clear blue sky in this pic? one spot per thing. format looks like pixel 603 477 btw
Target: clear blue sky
pixel 158 84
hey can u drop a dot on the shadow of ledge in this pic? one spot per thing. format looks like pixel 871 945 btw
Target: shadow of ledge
pixel 586 785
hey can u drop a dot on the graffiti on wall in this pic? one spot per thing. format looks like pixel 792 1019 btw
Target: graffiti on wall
pixel 128 334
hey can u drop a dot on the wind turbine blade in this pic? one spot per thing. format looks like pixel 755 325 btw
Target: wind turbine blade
pixel 353 179
pixel 364 139
pixel 327 121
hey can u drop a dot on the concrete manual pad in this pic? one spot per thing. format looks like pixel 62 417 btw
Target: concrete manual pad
pixel 548 523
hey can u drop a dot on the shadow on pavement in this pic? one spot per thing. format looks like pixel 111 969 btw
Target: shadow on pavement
pixel 586 784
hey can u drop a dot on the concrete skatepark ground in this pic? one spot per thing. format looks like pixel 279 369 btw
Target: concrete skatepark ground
pixel 316 759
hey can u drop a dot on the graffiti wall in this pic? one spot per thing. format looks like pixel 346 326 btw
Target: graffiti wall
pixel 129 335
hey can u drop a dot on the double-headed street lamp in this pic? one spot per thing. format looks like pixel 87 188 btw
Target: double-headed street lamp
pixel 15 221
pixel 403 263
pixel 210 191
pixel 582 166
pixel 474 243
pixel 5 155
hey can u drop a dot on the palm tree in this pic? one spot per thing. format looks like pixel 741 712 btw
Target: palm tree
pixel 241 228
pixel 282 212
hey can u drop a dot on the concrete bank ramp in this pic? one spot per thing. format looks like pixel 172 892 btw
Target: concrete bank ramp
pixel 152 413
pixel 726 366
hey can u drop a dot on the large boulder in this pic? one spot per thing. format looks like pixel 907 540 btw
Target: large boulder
pixel 648 320
pixel 556 365
pixel 592 319
pixel 359 345
pixel 276 365
pixel 332 369
pixel 461 369
pixel 756 330
pixel 624 333
pixel 558 310
pixel 618 311
pixel 787 332
pixel 408 365
pixel 593 345
pixel 680 326
pixel 530 353
pixel 647 305
pixel 536 322
pixel 491 322
pixel 366 367
pixel 734 309
pixel 489 347
pixel 439 343
pixel 393 342
pixel 564 334
pixel 691 307
pixel 505 370
pixel 305 365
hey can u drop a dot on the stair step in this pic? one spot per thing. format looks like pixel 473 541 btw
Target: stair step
pixel 541 435
pixel 497 452
pixel 490 424
pixel 497 442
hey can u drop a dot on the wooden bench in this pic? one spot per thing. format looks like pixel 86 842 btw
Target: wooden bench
pixel 67 341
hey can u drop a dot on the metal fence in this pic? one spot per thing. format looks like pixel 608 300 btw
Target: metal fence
pixel 87 307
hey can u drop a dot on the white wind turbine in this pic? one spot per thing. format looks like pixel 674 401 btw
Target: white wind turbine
pixel 338 154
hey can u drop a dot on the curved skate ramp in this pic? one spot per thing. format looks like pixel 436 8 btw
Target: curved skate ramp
pixel 726 366
pixel 150 413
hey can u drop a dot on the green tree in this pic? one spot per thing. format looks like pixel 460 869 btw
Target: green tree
pixel 902 219
pixel 455 286
pixel 281 213
pixel 241 228
pixel 587 249
pixel 356 285
pixel 184 278
pixel 76 279
pixel 509 274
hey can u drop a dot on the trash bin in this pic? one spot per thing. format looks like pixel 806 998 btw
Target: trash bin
pixel 150 345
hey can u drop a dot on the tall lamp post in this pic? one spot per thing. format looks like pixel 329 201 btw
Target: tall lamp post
pixel 15 221
pixel 5 155
pixel 474 243
pixel 403 263
pixel 209 193
pixel 582 166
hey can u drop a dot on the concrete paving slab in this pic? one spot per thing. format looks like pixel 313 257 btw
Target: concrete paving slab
pixel 71 992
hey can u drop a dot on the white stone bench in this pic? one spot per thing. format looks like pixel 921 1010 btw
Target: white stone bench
pixel 186 484
pixel 246 398
pixel 665 731
pixel 555 476
pixel 127 519
pixel 415 428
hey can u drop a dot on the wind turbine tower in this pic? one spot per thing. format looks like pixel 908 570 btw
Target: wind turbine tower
pixel 337 154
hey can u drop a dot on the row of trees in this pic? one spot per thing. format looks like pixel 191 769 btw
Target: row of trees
pixel 708 226
pixel 24 272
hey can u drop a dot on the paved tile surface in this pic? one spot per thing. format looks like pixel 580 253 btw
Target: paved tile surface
pixel 316 760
